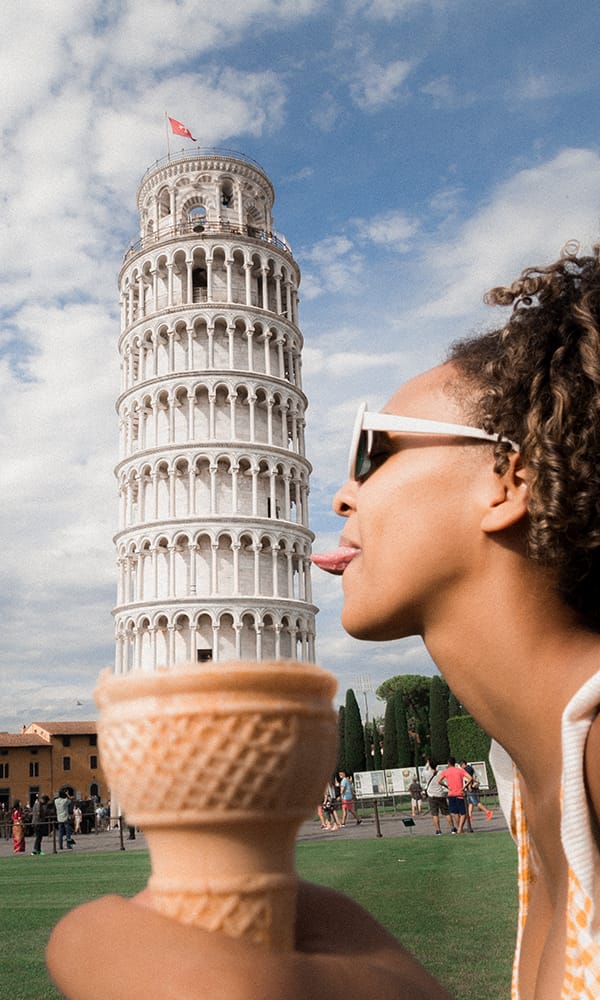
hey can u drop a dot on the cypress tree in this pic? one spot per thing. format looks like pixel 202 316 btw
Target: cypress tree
pixel 367 739
pixel 454 706
pixel 377 760
pixel 405 748
pixel 354 740
pixel 438 719
pixel 390 740
pixel 341 748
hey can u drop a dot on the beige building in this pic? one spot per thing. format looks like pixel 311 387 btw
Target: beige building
pixel 47 755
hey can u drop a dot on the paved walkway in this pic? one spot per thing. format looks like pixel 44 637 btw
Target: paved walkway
pixel 390 825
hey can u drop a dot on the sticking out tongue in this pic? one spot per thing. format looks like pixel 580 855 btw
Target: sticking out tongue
pixel 337 560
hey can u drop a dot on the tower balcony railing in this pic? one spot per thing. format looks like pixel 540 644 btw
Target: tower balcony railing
pixel 201 226
pixel 202 152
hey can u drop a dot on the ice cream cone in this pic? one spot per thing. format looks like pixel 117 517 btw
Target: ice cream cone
pixel 220 764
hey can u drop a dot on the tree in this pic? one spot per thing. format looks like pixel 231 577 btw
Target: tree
pixel 454 706
pixel 341 748
pixel 438 719
pixel 354 741
pixel 367 745
pixel 390 739
pixel 377 759
pixel 405 748
pixel 469 740
pixel 414 687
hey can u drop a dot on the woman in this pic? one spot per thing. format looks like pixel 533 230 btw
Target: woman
pixel 18 828
pixel 489 548
pixel 471 519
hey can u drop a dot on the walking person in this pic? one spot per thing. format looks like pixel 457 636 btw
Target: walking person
pixel 328 809
pixel 62 806
pixel 416 797
pixel 40 822
pixel 347 797
pixel 472 794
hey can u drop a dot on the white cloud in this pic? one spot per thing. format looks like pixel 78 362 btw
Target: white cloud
pixel 376 85
pixel 445 94
pixel 387 10
pixel 391 229
pixel 526 220
pixel 332 265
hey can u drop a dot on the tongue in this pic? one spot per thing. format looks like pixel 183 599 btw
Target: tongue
pixel 336 560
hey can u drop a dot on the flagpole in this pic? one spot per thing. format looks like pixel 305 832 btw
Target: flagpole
pixel 168 140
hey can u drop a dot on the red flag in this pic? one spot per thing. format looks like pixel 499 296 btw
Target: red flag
pixel 179 129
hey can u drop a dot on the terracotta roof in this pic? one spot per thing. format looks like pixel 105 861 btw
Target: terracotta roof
pixel 63 728
pixel 22 740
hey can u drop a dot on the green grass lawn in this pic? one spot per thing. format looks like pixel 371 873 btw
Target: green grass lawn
pixel 451 900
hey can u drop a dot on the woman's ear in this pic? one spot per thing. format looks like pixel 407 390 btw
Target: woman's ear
pixel 508 497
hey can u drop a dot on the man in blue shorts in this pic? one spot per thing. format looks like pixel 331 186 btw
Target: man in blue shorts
pixel 456 779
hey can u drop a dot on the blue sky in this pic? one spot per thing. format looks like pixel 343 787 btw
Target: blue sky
pixel 421 151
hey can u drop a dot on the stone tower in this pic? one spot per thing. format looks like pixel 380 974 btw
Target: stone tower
pixel 213 542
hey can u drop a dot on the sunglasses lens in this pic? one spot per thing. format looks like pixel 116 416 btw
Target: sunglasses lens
pixel 362 463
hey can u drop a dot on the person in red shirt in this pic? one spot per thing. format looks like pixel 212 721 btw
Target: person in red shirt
pixel 456 779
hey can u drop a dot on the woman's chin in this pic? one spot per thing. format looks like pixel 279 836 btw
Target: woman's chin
pixel 372 628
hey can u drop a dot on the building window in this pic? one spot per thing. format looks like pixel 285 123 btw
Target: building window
pixel 34 753
pixel 3 770
pixel 66 741
pixel 66 763
pixel 93 763
pixel 34 769
pixel 93 740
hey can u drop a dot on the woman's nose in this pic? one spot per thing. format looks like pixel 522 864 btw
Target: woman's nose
pixel 344 502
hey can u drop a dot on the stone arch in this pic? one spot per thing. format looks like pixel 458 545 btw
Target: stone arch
pixel 146 660
pixel 246 563
pixel 248 636
pixel 285 638
pixel 225 581
pixel 219 274
pixel 161 626
pixel 182 638
pixel 222 412
pixel 200 342
pixel 201 424
pixel 227 639
pixel 204 637
pixel 269 638
pixel 163 201
pixel 261 416
pixel 181 413
pixel 238 276
pixel 162 494
pixel 203 565
pixel 221 344
pixel 202 486
pixel 181 565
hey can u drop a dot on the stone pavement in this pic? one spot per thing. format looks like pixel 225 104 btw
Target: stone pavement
pixel 391 826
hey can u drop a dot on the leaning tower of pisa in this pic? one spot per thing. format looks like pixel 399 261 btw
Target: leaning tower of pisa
pixel 213 542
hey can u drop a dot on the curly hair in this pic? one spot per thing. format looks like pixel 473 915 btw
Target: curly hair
pixel 537 381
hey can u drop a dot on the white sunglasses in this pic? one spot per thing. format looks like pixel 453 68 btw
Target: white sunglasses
pixel 360 463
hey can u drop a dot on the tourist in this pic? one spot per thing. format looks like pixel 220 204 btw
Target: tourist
pixel 39 818
pixel 347 798
pixel 18 828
